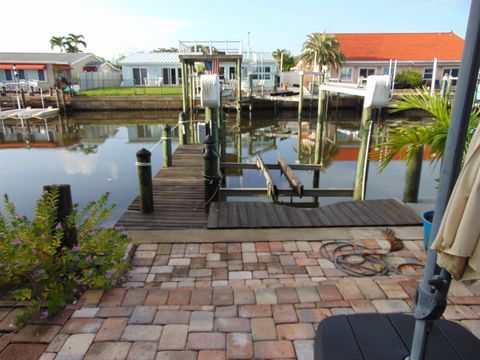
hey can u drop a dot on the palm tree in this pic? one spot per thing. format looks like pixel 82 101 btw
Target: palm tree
pixel 72 41
pixel 322 49
pixel 413 136
pixel 57 41
pixel 288 59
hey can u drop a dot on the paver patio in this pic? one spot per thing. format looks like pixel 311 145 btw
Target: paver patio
pixel 258 300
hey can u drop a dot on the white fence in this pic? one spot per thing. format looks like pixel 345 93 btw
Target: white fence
pixel 92 80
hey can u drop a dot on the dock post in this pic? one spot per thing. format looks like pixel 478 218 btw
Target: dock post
pixel 185 88
pixel 300 95
pixel 363 152
pixel 412 177
pixel 144 168
pixel 182 128
pixel 239 85
pixel 211 177
pixel 24 101
pixel 320 124
pixel 208 121
pixel 167 146
pixel 223 133
pixel 64 209
pixel 214 126
pixel 250 92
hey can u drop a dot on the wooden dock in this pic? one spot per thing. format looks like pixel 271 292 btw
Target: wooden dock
pixel 235 215
pixel 178 195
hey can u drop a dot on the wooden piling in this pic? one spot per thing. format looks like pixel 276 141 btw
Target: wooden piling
pixel 24 101
pixel 64 207
pixel 144 168
pixel 208 121
pixel 320 124
pixel 223 135
pixel 362 162
pixel 239 84
pixel 185 81
pixel 182 128
pixel 300 95
pixel 250 92
pixel 167 146
pixel 412 177
pixel 211 177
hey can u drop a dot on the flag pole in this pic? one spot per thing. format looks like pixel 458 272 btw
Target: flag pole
pixel 432 290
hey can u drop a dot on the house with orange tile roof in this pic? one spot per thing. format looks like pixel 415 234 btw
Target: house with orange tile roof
pixel 370 54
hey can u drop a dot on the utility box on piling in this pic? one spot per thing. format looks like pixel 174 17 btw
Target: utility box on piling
pixel 210 91
pixel 377 91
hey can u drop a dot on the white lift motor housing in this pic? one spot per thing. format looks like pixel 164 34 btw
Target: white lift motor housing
pixel 210 91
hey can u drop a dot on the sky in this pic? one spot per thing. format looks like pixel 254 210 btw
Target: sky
pixel 115 27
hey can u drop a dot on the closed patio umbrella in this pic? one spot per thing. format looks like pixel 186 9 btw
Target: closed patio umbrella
pixel 458 239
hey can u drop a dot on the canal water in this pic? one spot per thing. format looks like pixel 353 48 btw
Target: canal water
pixel 95 153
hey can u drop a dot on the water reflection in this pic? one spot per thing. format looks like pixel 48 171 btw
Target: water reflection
pixel 95 153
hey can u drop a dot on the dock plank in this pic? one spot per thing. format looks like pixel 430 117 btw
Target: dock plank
pixel 343 214
pixel 178 196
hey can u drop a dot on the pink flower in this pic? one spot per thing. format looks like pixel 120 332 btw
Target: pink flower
pixel 58 226
pixel 43 314
pixel 76 249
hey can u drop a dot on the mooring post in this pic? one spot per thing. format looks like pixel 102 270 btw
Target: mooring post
pixel 167 146
pixel 412 177
pixel 211 178
pixel 144 169
pixel 185 103
pixel 363 152
pixel 208 121
pixel 214 126
pixel 320 124
pixel 24 101
pixel 223 133
pixel 182 128
pixel 64 209
pixel 250 92
pixel 57 98
pixel 300 95
pixel 239 85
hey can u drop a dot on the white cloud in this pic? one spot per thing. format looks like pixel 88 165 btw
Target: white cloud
pixel 108 31
pixel 76 162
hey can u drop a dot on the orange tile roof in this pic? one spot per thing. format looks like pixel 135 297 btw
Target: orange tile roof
pixel 401 46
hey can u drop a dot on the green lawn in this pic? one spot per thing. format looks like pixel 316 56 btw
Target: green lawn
pixel 126 91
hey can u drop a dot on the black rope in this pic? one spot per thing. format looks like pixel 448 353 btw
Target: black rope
pixel 358 260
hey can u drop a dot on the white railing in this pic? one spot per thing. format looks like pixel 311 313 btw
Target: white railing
pixel 197 47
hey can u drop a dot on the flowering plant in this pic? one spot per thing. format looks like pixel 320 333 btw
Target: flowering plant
pixel 36 266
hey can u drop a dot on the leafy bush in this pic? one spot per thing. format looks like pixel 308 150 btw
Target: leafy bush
pixel 35 266
pixel 408 79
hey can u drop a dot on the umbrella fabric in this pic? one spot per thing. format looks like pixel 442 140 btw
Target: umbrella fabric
pixel 458 239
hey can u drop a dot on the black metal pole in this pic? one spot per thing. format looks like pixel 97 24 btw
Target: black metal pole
pixel 436 291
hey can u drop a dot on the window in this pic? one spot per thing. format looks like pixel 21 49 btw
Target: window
pixel 267 69
pixel 452 72
pixel 41 75
pixel 179 71
pixel 8 75
pixel 346 74
pixel 139 76
pixel 366 72
pixel 21 74
pixel 385 70
pixel 427 74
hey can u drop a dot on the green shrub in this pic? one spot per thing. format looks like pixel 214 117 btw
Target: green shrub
pixel 408 79
pixel 34 266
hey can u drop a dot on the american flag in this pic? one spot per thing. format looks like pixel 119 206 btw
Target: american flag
pixel 212 67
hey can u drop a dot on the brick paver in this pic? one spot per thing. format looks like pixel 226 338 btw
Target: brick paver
pixel 225 301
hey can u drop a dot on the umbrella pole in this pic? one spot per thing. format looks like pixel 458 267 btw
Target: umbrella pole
pixel 432 290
